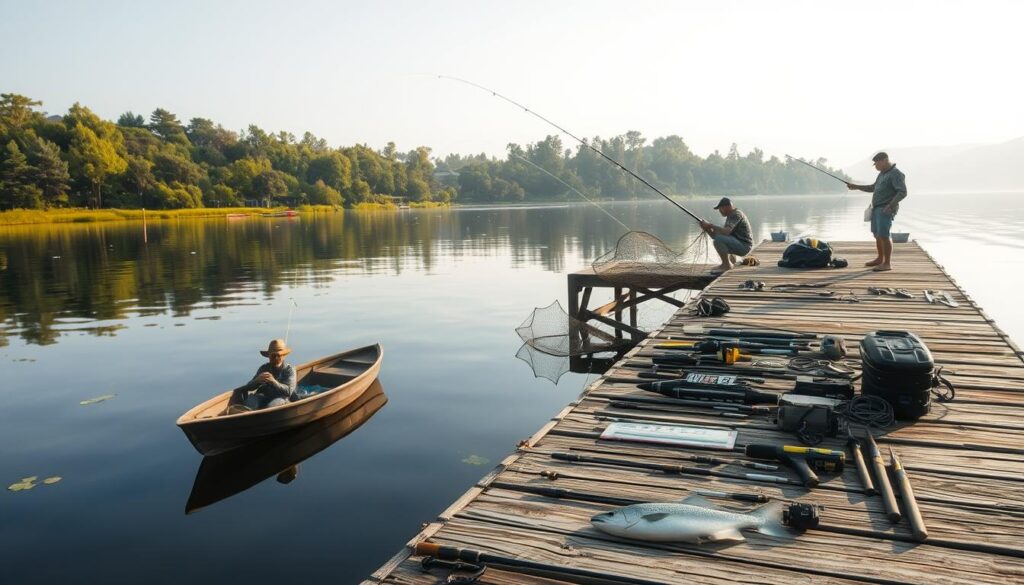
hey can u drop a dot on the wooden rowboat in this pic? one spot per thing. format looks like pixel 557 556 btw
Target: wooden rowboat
pixel 222 476
pixel 347 375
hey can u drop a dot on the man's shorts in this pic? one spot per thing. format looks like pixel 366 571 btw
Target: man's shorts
pixel 881 222
pixel 731 245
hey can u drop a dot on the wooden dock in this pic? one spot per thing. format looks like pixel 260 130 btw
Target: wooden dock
pixel 965 459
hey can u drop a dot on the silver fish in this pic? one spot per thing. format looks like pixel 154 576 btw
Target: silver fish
pixel 694 520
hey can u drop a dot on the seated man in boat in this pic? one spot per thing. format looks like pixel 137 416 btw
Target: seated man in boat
pixel 732 239
pixel 273 384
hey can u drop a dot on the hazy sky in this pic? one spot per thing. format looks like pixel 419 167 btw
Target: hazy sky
pixel 809 78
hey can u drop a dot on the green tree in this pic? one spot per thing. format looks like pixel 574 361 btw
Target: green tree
pixel 16 112
pixel 138 177
pixel 16 187
pixel 242 173
pixel 176 196
pixel 475 183
pixel 334 169
pixel 223 196
pixel 170 167
pixel 94 159
pixel 166 125
pixel 321 194
pixel 270 185
pixel 131 120
pixel 49 170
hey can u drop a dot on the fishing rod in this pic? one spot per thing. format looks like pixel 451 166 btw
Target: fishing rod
pixel 577 139
pixel 453 553
pixel 288 329
pixel 578 192
pixel 818 169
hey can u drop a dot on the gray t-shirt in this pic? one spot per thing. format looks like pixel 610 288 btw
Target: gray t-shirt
pixel 889 187
pixel 740 225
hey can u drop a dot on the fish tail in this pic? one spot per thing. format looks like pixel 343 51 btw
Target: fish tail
pixel 770 520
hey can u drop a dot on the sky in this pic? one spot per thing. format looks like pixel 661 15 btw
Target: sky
pixel 839 80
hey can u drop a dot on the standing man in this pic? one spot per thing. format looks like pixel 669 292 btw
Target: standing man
pixel 888 190
pixel 732 239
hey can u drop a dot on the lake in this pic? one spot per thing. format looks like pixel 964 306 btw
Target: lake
pixel 149 330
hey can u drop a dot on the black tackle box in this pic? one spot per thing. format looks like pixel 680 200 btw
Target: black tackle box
pixel 897 367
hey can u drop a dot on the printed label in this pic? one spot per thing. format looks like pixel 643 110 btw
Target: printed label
pixel 719 379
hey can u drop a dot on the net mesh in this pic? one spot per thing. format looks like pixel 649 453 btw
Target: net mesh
pixel 544 365
pixel 550 330
pixel 641 259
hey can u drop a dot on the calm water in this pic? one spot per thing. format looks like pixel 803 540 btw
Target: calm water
pixel 88 311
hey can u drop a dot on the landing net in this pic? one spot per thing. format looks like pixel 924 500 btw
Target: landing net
pixel 641 259
pixel 550 330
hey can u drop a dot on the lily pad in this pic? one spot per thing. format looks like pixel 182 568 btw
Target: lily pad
pixel 26 483
pixel 52 480
pixel 103 398
pixel 476 460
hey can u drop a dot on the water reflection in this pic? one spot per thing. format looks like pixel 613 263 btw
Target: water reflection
pixel 90 278
pixel 61 278
pixel 222 476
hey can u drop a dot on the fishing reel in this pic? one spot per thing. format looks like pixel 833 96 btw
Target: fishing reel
pixel 802 516
pixel 833 347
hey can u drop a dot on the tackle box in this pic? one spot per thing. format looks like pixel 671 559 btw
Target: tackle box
pixel 897 367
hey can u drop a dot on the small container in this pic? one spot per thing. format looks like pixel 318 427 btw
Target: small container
pixel 900 237
pixel 780 236
pixel 897 367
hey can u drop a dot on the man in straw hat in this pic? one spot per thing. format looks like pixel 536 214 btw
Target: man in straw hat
pixel 273 384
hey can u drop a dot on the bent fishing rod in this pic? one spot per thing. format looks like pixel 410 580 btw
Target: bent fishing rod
pixel 815 167
pixel 578 192
pixel 577 139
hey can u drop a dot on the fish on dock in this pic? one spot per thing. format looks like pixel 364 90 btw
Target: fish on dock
pixel 694 520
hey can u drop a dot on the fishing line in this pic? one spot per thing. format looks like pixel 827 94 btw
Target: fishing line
pixel 817 169
pixel 289 328
pixel 578 192
pixel 577 139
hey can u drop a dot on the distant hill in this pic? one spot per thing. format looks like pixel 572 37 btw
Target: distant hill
pixel 966 167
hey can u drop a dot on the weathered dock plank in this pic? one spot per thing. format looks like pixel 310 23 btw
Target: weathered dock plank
pixel 966 458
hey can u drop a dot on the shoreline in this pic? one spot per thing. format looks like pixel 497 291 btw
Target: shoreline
pixel 23 217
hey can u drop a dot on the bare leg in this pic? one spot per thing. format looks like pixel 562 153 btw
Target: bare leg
pixel 881 253
pixel 723 253
pixel 886 248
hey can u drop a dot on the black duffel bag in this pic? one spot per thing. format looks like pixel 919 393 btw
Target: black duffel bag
pixel 807 253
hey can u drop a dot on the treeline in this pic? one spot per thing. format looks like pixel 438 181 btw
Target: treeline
pixel 541 171
pixel 80 159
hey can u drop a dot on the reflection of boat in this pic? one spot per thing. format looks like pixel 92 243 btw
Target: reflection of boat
pixel 285 213
pixel 222 476
pixel 345 375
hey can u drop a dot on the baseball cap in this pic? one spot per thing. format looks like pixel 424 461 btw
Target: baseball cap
pixel 724 201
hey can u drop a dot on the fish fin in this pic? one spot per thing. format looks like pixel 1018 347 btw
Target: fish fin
pixel 699 501
pixel 654 517
pixel 725 534
pixel 770 516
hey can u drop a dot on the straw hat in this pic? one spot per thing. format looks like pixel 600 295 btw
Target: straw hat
pixel 276 346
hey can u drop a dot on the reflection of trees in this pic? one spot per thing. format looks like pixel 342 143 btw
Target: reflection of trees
pixel 54 277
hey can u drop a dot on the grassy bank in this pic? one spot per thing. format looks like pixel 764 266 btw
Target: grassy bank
pixel 37 216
